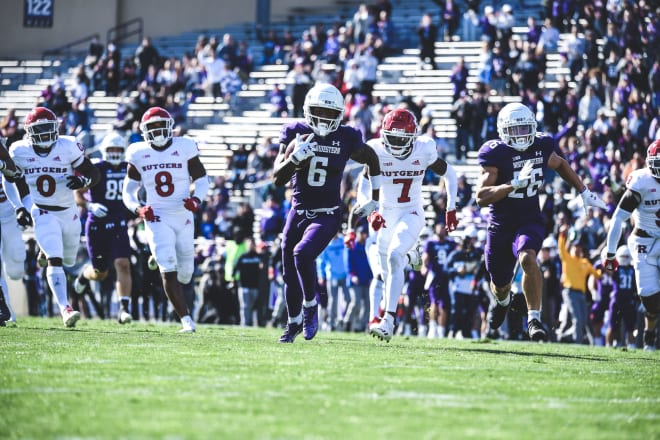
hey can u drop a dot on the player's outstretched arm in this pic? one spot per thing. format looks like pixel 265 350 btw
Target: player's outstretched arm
pixel 87 175
pixel 567 173
pixel 628 203
pixel 131 186
pixel 442 168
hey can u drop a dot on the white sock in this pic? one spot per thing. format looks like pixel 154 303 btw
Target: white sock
pixel 505 302
pixel 442 331
pixel 308 304
pixel 375 297
pixel 296 319
pixel 534 314
pixel 57 283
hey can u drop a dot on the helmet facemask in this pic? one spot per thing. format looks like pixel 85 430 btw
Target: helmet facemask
pixel 653 162
pixel 398 142
pixel 323 120
pixel 43 135
pixel 114 155
pixel 518 137
pixel 157 131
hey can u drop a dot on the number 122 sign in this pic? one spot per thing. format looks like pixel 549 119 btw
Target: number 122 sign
pixel 38 13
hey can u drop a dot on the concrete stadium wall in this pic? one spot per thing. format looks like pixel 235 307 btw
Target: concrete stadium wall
pixel 75 19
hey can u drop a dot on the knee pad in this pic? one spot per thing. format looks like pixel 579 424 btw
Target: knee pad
pixel 185 273
pixel 652 305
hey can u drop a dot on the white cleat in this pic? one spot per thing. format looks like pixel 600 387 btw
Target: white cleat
pixel 70 317
pixel 415 258
pixel 384 330
pixel 124 317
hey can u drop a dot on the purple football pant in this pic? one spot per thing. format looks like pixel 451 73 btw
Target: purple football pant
pixel 503 244
pixel 106 242
pixel 303 240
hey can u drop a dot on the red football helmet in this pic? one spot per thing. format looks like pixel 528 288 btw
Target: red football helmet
pixel 398 132
pixel 653 158
pixel 42 127
pixel 156 126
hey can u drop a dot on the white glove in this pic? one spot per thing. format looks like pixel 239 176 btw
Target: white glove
pixel 97 209
pixel 304 149
pixel 522 180
pixel 591 199
pixel 366 209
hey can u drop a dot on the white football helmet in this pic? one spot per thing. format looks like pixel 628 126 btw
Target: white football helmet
pixel 323 108
pixel 113 148
pixel 516 126
pixel 653 158
pixel 623 256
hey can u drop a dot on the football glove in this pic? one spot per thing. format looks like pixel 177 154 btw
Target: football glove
pixel 192 204
pixel 349 240
pixel 97 209
pixel 450 220
pixel 611 264
pixel 591 199
pixel 376 220
pixel 146 212
pixel 365 209
pixel 304 149
pixel 23 217
pixel 523 177
pixel 12 173
pixel 77 182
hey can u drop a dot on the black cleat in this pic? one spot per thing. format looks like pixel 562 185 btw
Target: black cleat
pixel 292 330
pixel 649 340
pixel 497 314
pixel 5 314
pixel 536 331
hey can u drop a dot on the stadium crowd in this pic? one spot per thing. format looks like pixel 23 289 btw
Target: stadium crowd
pixel 603 113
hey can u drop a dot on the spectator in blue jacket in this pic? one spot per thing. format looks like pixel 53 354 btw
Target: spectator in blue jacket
pixel 360 276
pixel 331 273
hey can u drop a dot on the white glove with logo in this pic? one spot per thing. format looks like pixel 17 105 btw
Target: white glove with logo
pixel 97 209
pixel 522 180
pixel 365 209
pixel 304 149
pixel 591 199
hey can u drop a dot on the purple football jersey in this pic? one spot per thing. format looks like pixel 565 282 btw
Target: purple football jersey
pixel 520 206
pixel 108 192
pixel 318 184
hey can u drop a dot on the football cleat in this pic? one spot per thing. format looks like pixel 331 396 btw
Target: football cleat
pixel 497 314
pixel 310 321
pixel 79 287
pixel 290 332
pixel 188 325
pixel 374 322
pixel 415 258
pixel 70 317
pixel 536 331
pixel 384 330
pixel 124 317
pixel 649 340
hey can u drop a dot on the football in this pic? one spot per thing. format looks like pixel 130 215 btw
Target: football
pixel 292 146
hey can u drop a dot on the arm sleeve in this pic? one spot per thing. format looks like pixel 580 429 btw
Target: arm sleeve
pixel 129 194
pixel 614 234
pixel 201 187
pixel 452 187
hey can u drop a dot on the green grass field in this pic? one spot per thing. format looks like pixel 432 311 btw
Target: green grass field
pixel 101 380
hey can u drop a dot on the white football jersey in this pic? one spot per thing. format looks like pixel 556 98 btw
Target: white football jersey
pixel 164 173
pixel 46 175
pixel 401 179
pixel 647 214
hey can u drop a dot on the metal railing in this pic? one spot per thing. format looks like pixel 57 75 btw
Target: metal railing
pixel 125 30
pixel 71 49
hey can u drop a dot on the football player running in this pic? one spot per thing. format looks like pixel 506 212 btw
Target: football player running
pixel 105 228
pixel 53 167
pixel 166 166
pixel 315 169
pixel 404 157
pixel 512 171
pixel 641 201
pixel 13 248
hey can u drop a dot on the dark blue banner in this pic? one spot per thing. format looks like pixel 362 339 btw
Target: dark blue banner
pixel 38 13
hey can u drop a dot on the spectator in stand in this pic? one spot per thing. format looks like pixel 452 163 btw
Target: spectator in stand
pixel 362 23
pixel 214 68
pixel 488 25
pixel 533 30
pixel 146 55
pixel 247 273
pixel 228 50
pixel 549 39
pixel 332 274
pixel 588 107
pixel 428 34
pixel 278 103
pixel 459 77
